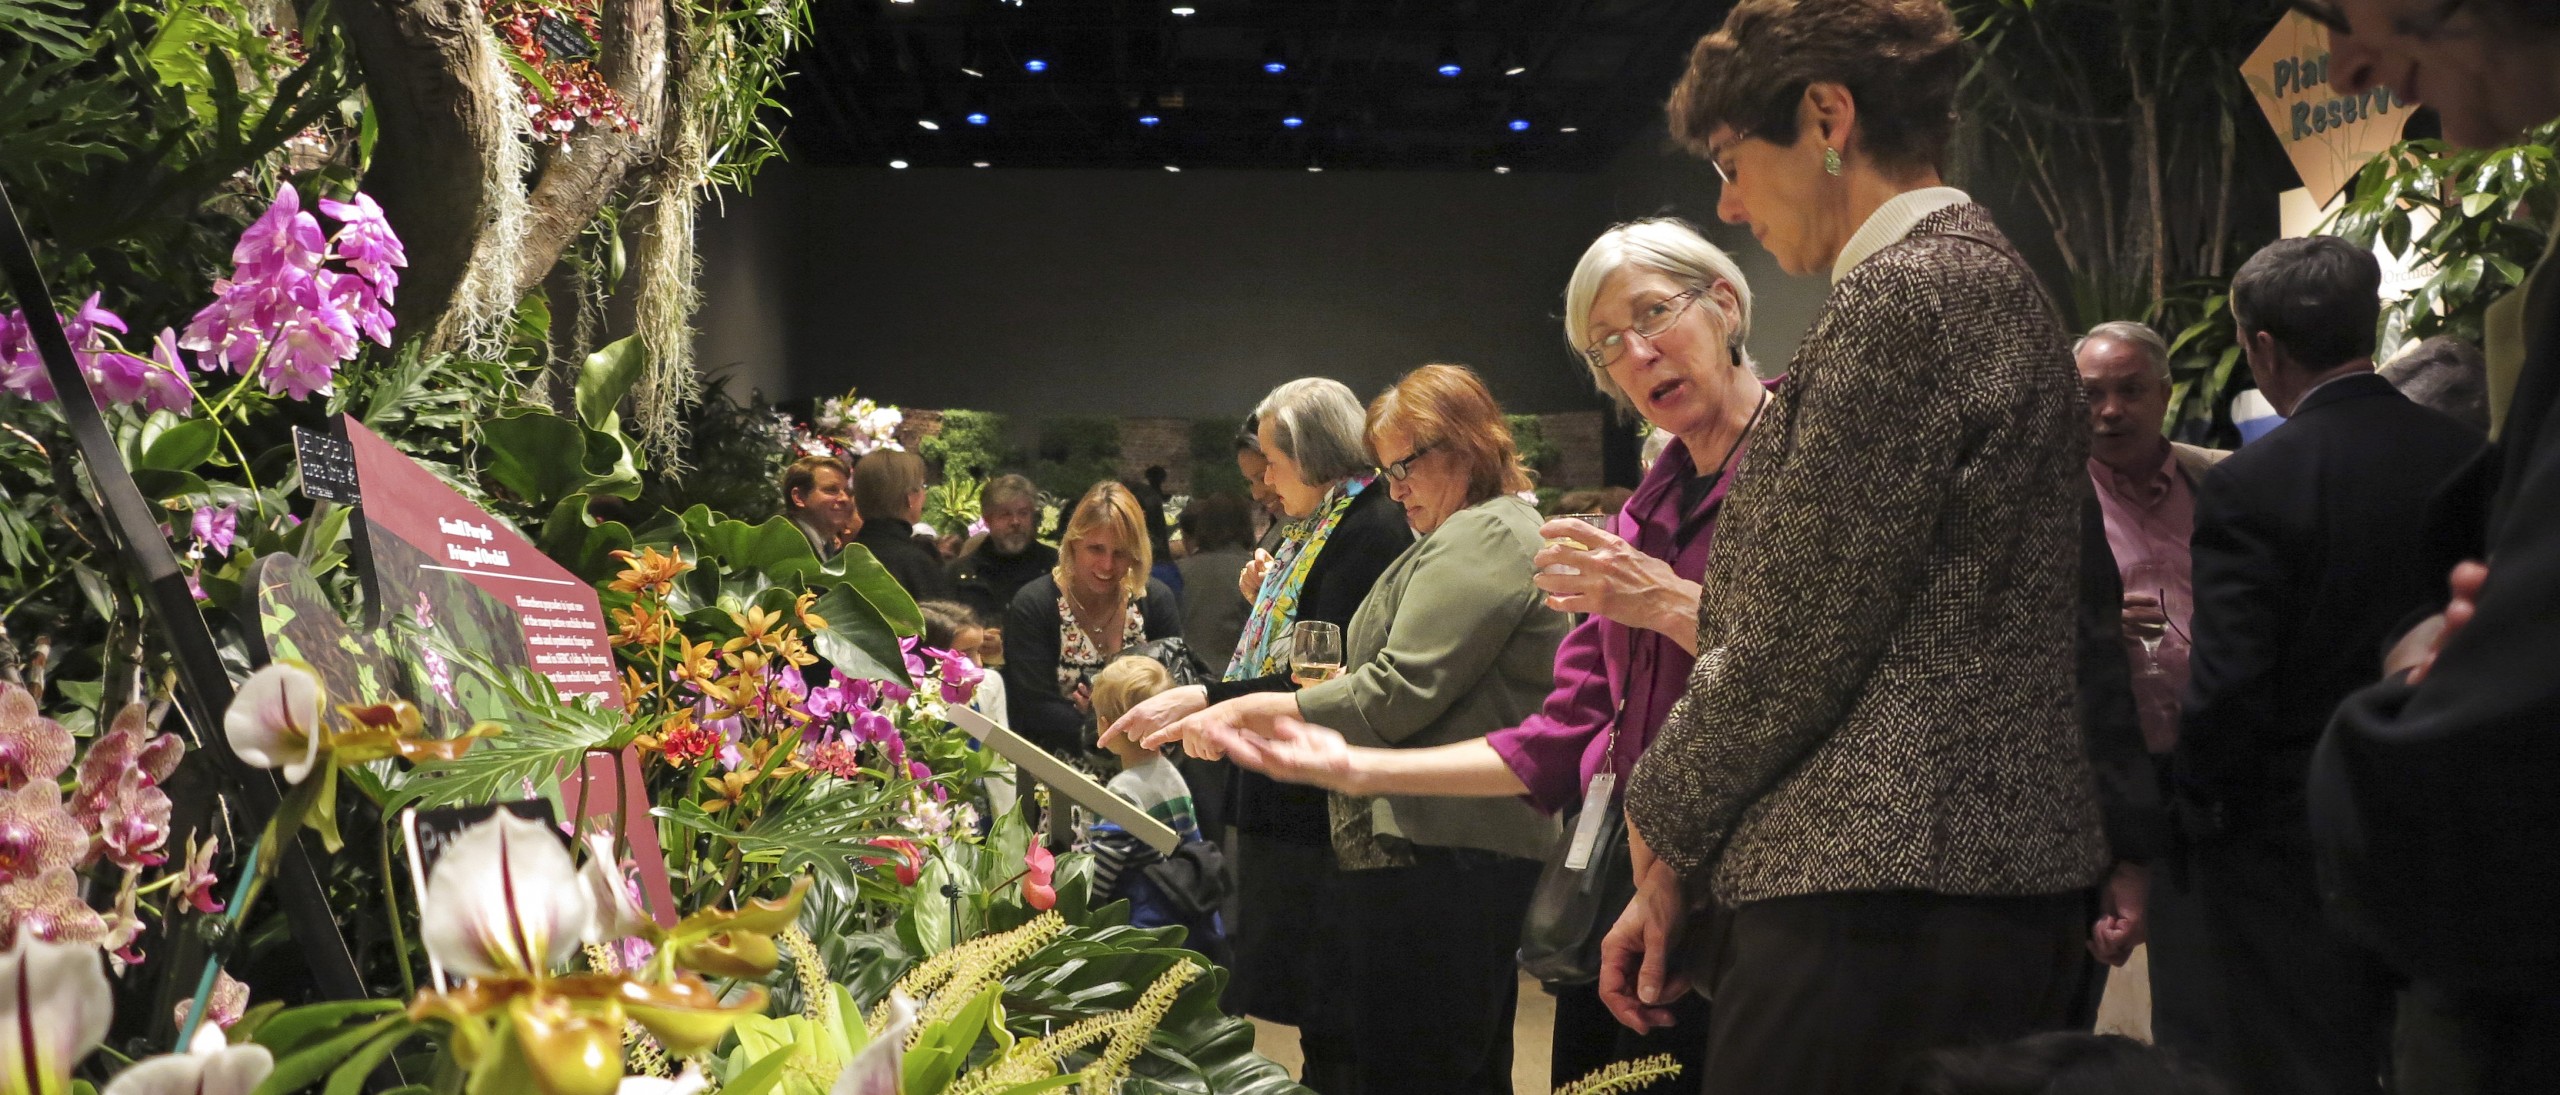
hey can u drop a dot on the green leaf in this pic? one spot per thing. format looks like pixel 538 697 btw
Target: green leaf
pixel 2476 203
pixel 530 75
pixel 181 447
pixel 349 1078
pixel 574 539
pixel 543 737
pixel 758 1077
pixel 857 639
pixel 537 455
pixel 856 564
pixel 304 1067
pixel 608 376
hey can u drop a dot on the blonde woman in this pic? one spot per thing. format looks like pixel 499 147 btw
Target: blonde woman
pixel 1064 626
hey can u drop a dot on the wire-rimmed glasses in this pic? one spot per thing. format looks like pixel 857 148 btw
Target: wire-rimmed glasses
pixel 1650 323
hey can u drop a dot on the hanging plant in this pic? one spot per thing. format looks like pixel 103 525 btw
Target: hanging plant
pixel 551 46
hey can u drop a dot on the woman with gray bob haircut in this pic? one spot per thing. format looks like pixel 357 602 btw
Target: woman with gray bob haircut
pixel 1343 530
pixel 1669 246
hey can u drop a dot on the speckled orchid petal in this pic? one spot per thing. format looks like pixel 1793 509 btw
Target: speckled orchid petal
pixel 274 720
pixel 32 747
pixel 54 1008
pixel 504 900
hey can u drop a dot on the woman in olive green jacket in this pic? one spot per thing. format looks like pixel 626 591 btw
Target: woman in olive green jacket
pixel 1454 641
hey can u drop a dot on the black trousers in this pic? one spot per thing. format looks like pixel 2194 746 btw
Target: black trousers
pixel 2292 1008
pixel 1835 994
pixel 1588 1038
pixel 1425 979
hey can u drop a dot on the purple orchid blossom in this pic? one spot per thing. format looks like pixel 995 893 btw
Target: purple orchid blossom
pixel 217 527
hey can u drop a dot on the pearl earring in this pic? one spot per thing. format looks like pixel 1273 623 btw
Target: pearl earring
pixel 1830 160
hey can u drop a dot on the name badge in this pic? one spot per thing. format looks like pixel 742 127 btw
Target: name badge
pixel 1586 828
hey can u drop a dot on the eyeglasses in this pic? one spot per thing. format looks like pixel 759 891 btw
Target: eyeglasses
pixel 1402 470
pixel 1651 322
pixel 2423 26
pixel 1716 156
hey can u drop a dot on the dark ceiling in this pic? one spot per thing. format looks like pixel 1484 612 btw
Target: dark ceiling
pixel 1553 85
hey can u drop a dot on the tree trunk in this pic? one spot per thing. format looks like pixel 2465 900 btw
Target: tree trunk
pixel 436 135
pixel 580 177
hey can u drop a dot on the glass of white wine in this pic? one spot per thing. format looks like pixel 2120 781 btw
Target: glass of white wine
pixel 1595 520
pixel 1315 652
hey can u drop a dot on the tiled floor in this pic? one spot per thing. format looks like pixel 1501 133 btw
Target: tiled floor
pixel 2126 1010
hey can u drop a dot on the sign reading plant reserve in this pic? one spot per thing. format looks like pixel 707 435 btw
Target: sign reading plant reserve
pixel 2328 136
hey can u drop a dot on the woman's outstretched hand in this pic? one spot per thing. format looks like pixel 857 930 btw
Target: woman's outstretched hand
pixel 1293 750
pixel 1202 733
pixel 1157 712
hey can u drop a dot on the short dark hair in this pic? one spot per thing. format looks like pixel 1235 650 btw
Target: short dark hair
pixel 802 475
pixel 882 482
pixel 2320 297
pixel 1217 520
pixel 1249 438
pixel 2447 375
pixel 944 621
pixel 1901 60
pixel 2084 1064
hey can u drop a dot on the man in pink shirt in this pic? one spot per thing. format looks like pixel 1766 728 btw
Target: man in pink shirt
pixel 2146 491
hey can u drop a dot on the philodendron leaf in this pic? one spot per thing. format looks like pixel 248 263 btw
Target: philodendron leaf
pixel 857 566
pixel 537 455
pixel 857 639
pixel 606 378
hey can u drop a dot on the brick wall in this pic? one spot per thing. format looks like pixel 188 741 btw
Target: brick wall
pixel 1157 441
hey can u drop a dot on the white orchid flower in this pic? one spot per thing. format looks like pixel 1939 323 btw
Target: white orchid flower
pixel 54 1008
pixel 877 1069
pixel 210 1066
pixel 274 719
pixel 617 916
pixel 691 1081
pixel 505 900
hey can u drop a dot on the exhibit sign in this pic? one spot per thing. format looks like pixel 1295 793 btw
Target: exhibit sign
pixel 2329 136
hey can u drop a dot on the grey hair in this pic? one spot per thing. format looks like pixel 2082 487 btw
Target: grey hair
pixel 2139 336
pixel 1317 422
pixel 2445 374
pixel 1665 245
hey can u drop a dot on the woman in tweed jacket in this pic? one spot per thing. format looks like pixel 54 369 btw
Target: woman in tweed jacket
pixel 1877 769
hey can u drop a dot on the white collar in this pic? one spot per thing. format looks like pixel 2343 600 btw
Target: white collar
pixel 1892 221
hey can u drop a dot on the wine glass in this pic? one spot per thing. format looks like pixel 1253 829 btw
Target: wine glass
pixel 1315 652
pixel 1595 520
pixel 2152 579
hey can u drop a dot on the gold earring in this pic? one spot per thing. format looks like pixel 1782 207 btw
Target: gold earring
pixel 1830 160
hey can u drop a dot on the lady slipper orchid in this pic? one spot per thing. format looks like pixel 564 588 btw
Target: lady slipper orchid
pixel 1039 888
pixel 210 1066
pixel 274 720
pixel 505 901
pixel 32 747
pixel 54 1008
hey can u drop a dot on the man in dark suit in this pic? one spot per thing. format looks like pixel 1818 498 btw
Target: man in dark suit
pixel 2432 796
pixel 2306 556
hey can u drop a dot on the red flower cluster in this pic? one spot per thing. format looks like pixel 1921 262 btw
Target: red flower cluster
pixel 835 758
pixel 689 743
pixel 578 92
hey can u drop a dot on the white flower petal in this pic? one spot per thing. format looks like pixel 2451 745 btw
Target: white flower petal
pixel 691 1081
pixel 876 1069
pixel 54 1008
pixel 616 917
pixel 274 719
pixel 504 899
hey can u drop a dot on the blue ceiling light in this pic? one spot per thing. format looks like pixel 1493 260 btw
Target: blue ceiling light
pixel 1275 67
pixel 1519 125
pixel 1449 68
pixel 1149 119
pixel 977 117
pixel 1035 66
pixel 1448 65
pixel 1293 121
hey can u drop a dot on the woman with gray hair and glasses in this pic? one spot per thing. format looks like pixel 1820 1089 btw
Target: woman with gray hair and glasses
pixel 1657 315
pixel 1343 531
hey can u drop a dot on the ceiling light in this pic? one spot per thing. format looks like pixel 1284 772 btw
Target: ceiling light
pixel 1275 57
pixel 1449 68
pixel 1568 129
pixel 1501 170
pixel 1519 125
pixel 1149 119
pixel 1185 9
pixel 1293 121
pixel 898 164
pixel 977 117
pixel 1035 65
pixel 1515 70
pixel 1173 168
pixel 930 124
pixel 973 72
pixel 1275 67
pixel 1316 168
pixel 1448 65
pixel 982 163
